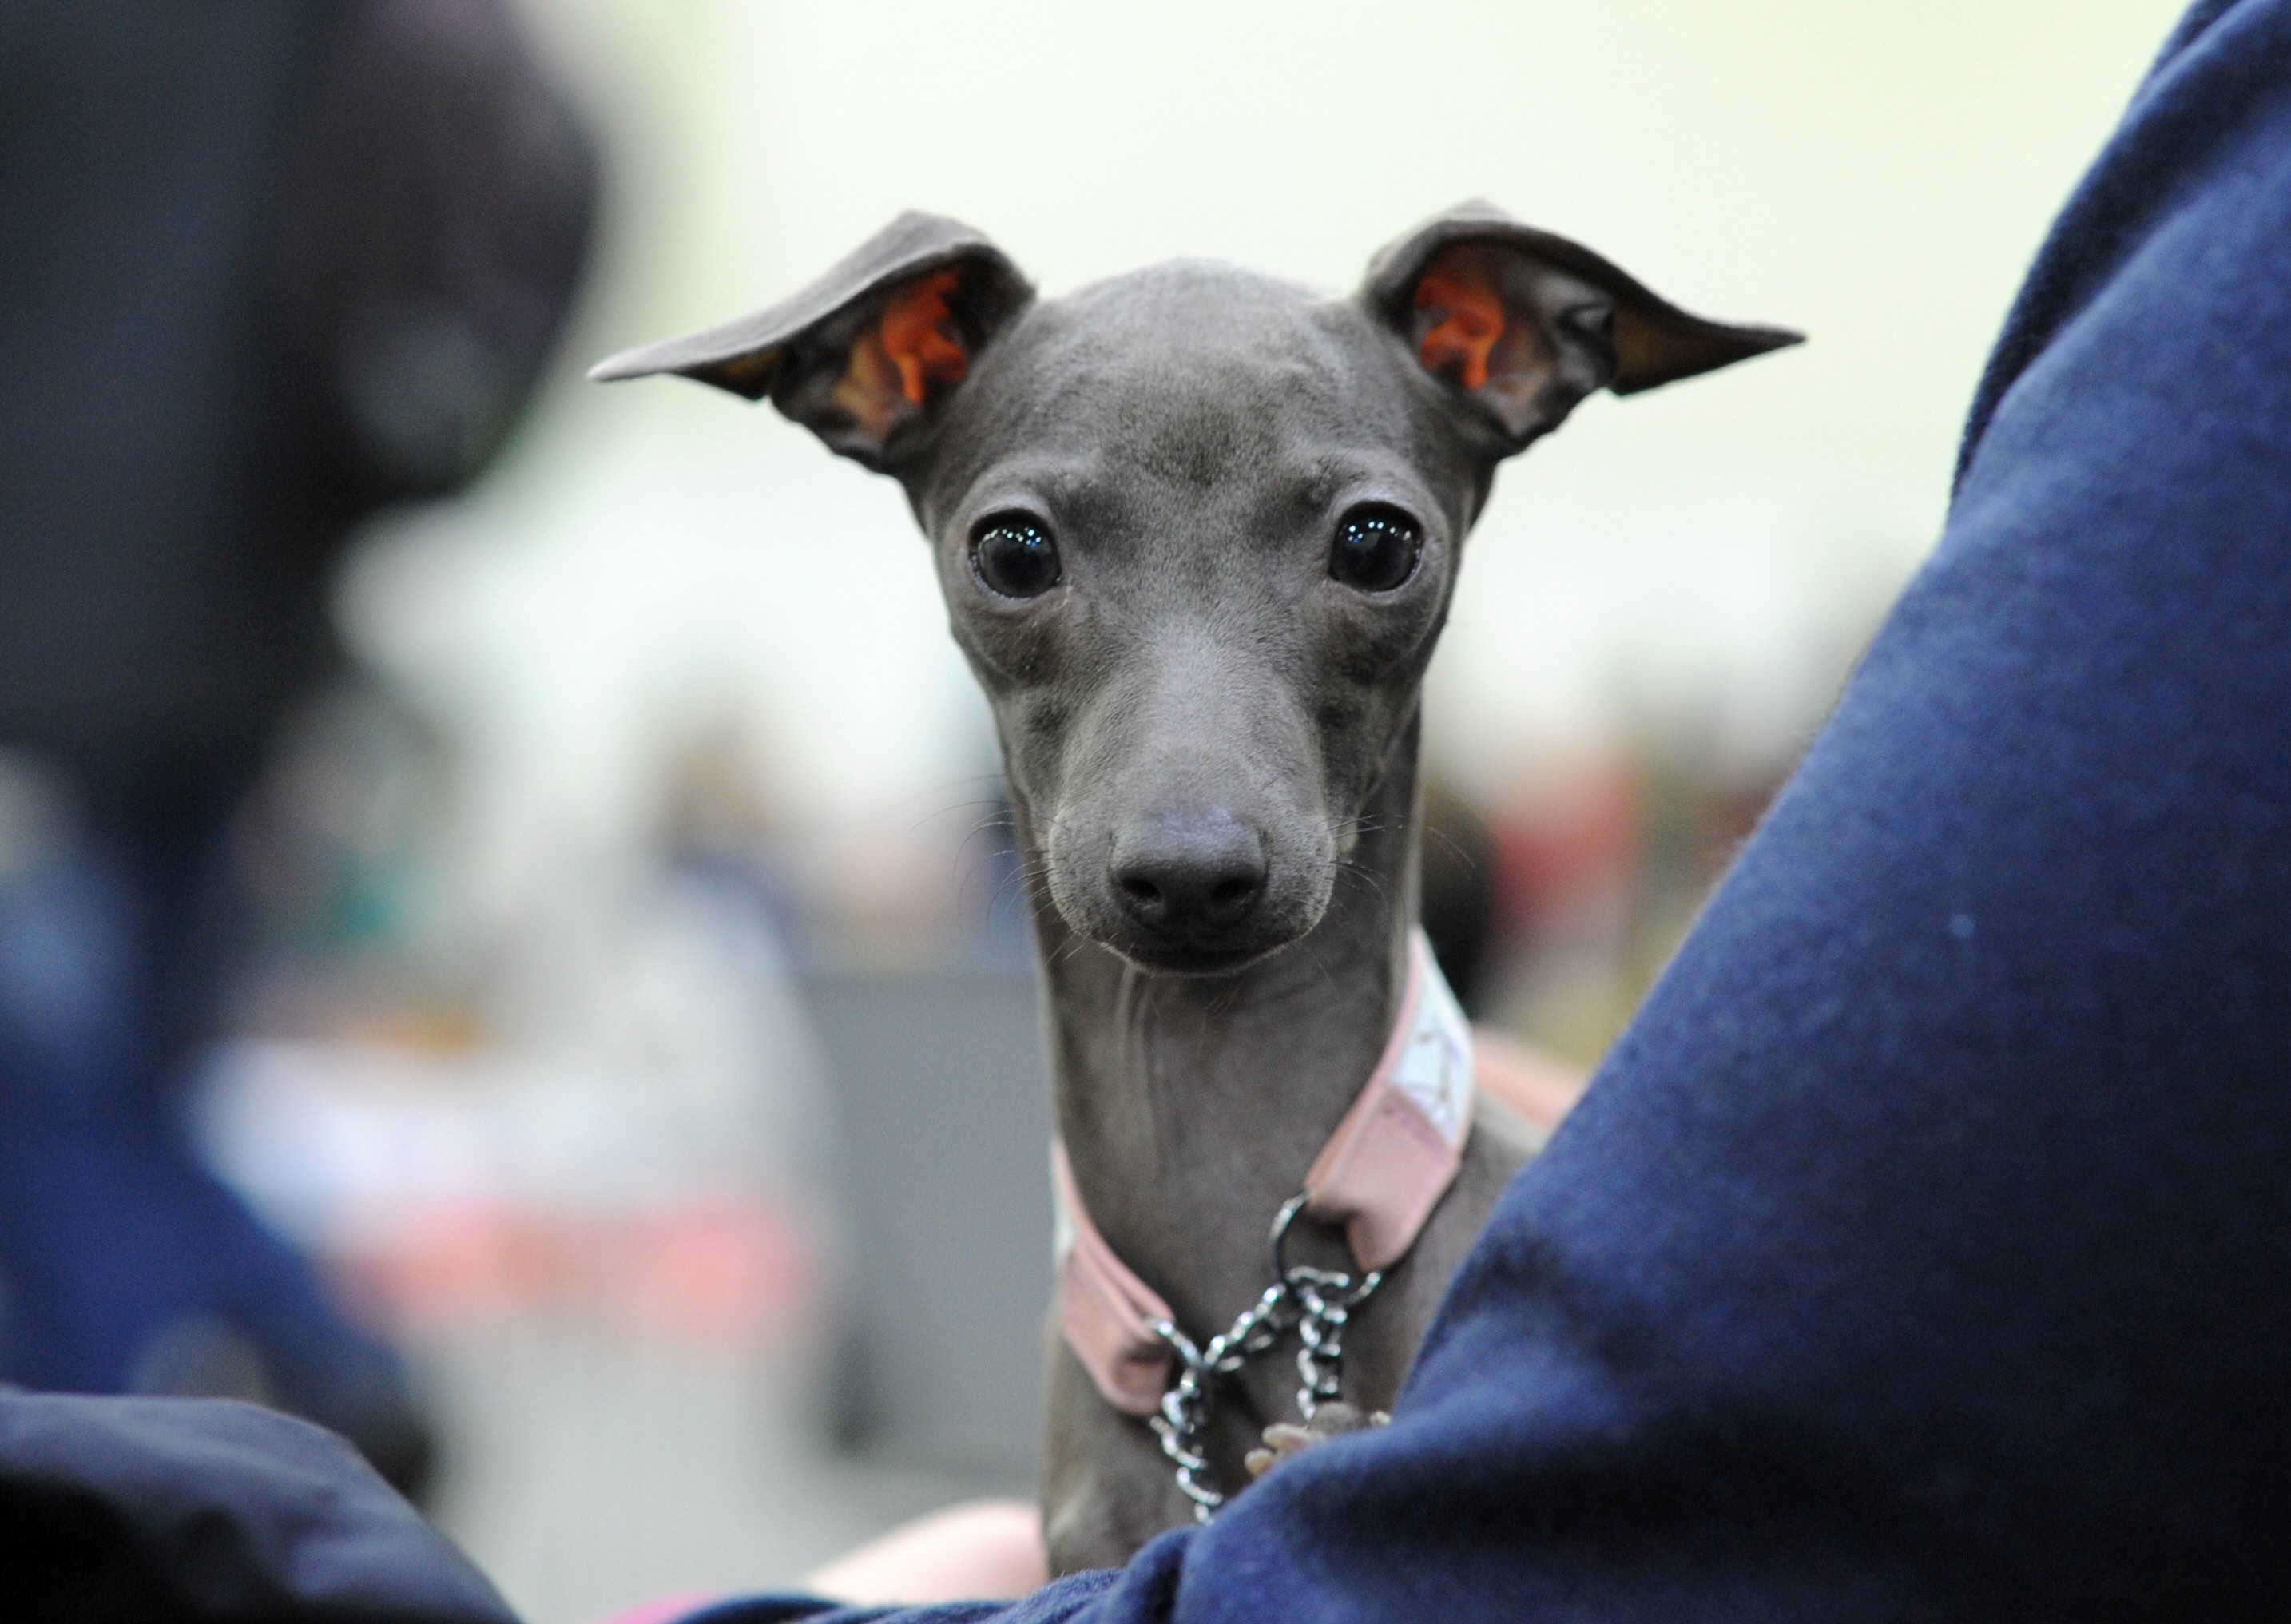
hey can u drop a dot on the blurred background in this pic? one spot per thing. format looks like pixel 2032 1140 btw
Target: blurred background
pixel 630 1007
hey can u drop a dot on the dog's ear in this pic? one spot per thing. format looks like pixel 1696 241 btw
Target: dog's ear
pixel 1523 323
pixel 866 354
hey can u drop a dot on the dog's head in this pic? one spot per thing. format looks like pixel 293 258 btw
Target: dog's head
pixel 1198 528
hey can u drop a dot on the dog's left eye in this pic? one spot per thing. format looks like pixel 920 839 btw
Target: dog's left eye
pixel 1375 549
pixel 1015 556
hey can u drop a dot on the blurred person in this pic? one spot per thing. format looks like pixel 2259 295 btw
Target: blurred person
pixel 1459 909
pixel 265 267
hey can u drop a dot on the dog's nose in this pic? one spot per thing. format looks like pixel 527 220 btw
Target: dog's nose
pixel 1190 875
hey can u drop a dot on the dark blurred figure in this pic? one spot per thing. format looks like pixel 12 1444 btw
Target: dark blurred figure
pixel 1459 904
pixel 265 267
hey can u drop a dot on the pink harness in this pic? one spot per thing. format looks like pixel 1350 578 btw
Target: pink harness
pixel 1386 1166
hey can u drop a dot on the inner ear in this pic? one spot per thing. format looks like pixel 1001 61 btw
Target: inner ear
pixel 910 353
pixel 1483 319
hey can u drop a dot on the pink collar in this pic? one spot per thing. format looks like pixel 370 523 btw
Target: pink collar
pixel 1379 1176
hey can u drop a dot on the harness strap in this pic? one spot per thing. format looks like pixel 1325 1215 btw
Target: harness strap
pixel 1105 1311
pixel 1381 1174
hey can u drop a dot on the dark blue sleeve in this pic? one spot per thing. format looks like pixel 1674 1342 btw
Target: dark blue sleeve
pixel 154 1510
pixel 1923 1250
pixel 1142 1590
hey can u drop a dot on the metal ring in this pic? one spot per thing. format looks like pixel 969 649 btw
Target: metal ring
pixel 1338 1281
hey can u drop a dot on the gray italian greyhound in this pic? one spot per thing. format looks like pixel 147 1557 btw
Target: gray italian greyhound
pixel 1198 530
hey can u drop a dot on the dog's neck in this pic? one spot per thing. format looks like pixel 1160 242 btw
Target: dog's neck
pixel 1191 1107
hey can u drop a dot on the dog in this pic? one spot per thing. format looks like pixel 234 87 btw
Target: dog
pixel 1198 530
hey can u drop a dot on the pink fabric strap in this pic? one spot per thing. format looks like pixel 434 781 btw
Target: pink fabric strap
pixel 1379 1176
pixel 1397 1150
pixel 1105 1311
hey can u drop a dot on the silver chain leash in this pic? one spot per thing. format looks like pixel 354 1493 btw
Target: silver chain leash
pixel 1316 1303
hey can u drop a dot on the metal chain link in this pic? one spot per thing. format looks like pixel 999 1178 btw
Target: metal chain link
pixel 1316 1303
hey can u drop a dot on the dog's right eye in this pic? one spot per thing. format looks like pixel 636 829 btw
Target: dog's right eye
pixel 1375 549
pixel 1014 556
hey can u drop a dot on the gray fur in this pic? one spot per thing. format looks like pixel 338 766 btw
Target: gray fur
pixel 1199 709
